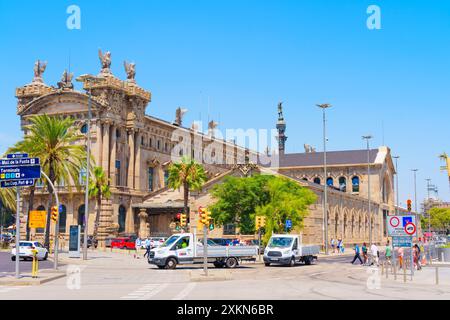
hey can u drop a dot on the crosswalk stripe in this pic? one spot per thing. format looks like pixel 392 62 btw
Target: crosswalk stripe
pixel 183 293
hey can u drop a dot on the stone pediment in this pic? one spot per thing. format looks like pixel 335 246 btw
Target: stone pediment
pixel 59 102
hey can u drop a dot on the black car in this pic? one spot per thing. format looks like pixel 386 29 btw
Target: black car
pixel 89 242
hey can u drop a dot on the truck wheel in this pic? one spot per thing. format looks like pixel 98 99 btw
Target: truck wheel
pixel 308 260
pixel 218 264
pixel 161 267
pixel 292 262
pixel 171 263
pixel 231 263
pixel 13 258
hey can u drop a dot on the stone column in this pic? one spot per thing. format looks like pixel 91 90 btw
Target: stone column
pixel 129 221
pixel 131 161
pixel 98 143
pixel 144 232
pixel 112 162
pixel 105 145
pixel 137 166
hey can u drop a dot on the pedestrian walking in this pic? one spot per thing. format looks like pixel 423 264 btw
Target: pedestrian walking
pixel 416 254
pixel 388 253
pixel 400 257
pixel 374 254
pixel 333 245
pixel 342 246
pixel 364 252
pixel 339 243
pixel 147 247
pixel 137 245
pixel 357 254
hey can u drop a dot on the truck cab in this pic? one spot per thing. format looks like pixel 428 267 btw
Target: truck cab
pixel 286 249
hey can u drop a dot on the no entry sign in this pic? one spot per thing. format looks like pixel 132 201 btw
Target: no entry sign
pixel 398 226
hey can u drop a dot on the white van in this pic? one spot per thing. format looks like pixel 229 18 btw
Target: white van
pixel 287 249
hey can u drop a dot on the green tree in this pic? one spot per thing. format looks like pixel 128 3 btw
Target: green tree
pixel 54 141
pixel 187 174
pixel 288 200
pixel 237 199
pixel 98 188
pixel 440 219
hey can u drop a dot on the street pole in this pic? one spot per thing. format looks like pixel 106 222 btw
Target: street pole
pixel 415 190
pixel 86 197
pixel 367 138
pixel 17 232
pixel 55 249
pixel 396 183
pixel 325 200
pixel 428 201
pixel 205 249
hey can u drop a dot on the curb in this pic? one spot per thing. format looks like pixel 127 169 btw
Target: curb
pixel 212 276
pixel 28 281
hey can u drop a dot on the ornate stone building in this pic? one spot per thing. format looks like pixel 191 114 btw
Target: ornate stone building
pixel 135 150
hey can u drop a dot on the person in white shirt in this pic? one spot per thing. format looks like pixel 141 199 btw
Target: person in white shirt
pixel 374 254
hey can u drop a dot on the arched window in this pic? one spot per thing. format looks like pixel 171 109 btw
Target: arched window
pixel 122 217
pixel 81 219
pixel 62 219
pixel 355 184
pixel 317 180
pixel 343 184
pixel 83 129
pixel 117 133
pixel 330 181
pixel 40 230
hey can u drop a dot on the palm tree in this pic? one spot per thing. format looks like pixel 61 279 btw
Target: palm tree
pixel 8 198
pixel 188 174
pixel 98 188
pixel 53 140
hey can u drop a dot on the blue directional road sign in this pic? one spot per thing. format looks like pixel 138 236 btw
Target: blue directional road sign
pixel 17 155
pixel 20 173
pixel 288 224
pixel 19 162
pixel 16 183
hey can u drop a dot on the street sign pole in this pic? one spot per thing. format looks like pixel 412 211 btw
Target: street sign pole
pixel 259 244
pixel 205 249
pixel 17 232
pixel 412 259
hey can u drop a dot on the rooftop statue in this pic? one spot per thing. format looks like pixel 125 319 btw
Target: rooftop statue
pixel 105 60
pixel 66 81
pixel 179 116
pixel 130 69
pixel 39 68
pixel 280 111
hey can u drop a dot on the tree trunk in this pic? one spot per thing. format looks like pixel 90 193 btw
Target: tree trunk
pixel 30 207
pixel 97 219
pixel 186 198
pixel 49 206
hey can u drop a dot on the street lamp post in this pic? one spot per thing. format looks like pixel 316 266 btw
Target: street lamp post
pixel 415 189
pixel 396 182
pixel 367 138
pixel 324 106
pixel 90 79
pixel 428 205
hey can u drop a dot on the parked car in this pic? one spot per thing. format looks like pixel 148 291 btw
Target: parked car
pixel 25 251
pixel 156 242
pixel 123 243
pixel 222 241
pixel 89 242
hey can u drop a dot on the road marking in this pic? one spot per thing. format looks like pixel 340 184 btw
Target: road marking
pixel 146 292
pixel 183 293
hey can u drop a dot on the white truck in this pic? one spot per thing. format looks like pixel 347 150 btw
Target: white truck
pixel 180 249
pixel 287 249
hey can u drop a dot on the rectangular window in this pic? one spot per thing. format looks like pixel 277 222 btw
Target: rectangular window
pixel 118 173
pixel 150 179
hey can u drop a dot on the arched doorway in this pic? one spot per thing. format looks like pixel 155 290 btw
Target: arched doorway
pixel 122 218
pixel 81 219
pixel 62 219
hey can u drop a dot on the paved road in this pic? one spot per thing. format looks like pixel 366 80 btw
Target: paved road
pixel 7 266
pixel 122 277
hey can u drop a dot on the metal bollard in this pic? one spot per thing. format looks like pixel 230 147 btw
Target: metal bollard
pixel 382 268
pixel 34 266
pixel 437 275
pixel 395 272
pixel 442 257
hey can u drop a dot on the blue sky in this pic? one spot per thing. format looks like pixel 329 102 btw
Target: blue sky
pixel 245 56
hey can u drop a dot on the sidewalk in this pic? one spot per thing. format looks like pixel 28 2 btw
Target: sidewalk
pixel 27 280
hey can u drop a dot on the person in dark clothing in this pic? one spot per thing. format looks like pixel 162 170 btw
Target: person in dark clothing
pixel 357 256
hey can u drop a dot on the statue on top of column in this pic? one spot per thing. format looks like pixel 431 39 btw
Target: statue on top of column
pixel 212 125
pixel 66 81
pixel 105 60
pixel 280 111
pixel 39 68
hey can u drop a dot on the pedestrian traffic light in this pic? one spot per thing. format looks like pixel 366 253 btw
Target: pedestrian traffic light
pixel 183 220
pixel 408 202
pixel 54 213
pixel 211 225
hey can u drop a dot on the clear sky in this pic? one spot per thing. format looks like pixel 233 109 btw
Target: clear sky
pixel 245 56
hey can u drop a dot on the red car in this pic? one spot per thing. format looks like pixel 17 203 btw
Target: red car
pixel 123 243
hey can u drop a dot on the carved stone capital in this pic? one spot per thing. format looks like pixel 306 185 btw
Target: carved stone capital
pixel 143 215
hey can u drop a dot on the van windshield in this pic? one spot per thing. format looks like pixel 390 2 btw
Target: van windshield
pixel 280 242
pixel 170 241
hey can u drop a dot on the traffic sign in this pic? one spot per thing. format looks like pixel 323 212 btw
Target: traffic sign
pixel 396 225
pixel 404 242
pixel 37 219
pixel 20 173
pixel 410 229
pixel 19 162
pixel 17 183
pixel 288 224
pixel 17 155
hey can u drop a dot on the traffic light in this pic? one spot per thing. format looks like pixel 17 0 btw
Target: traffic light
pixel 205 216
pixel 260 222
pixel 54 213
pixel 211 225
pixel 408 202
pixel 183 220
pixel 178 217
